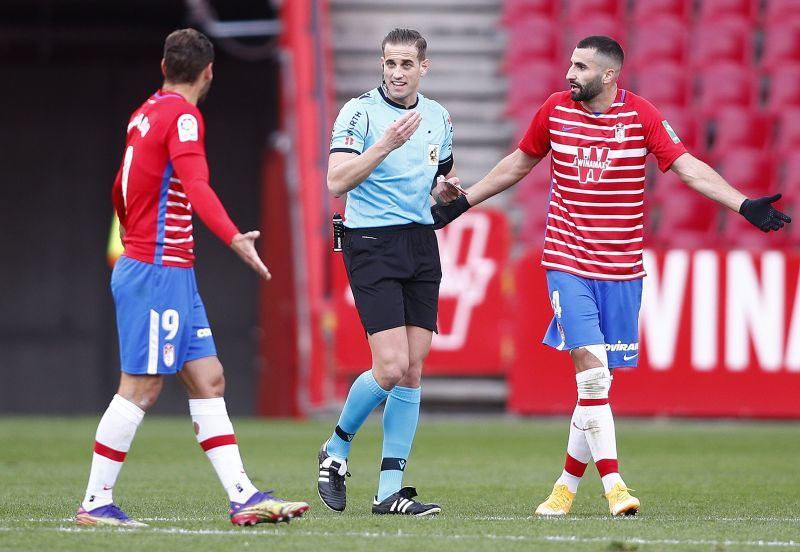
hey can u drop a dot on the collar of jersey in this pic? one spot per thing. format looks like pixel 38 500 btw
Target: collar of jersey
pixel 160 95
pixel 618 99
pixel 395 104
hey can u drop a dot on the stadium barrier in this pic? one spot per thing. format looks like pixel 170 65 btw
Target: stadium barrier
pixel 720 330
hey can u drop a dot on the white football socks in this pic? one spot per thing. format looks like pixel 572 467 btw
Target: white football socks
pixel 113 439
pixel 214 432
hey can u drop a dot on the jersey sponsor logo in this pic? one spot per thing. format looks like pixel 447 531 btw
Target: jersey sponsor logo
pixel 671 132
pixel 620 346
pixel 169 355
pixel 187 128
pixel 433 154
pixel 591 163
pixel 353 122
pixel 140 122
pixel 629 357
pixel 568 128
pixel 204 332
pixel 619 133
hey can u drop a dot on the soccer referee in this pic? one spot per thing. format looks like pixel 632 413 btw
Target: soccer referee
pixel 391 149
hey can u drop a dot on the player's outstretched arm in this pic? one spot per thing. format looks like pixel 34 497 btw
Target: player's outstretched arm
pixel 348 170
pixel 700 177
pixel 244 246
pixel 510 170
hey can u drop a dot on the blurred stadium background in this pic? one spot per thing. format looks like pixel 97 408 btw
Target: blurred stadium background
pixel 721 316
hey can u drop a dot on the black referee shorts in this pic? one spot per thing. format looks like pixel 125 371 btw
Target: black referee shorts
pixel 394 272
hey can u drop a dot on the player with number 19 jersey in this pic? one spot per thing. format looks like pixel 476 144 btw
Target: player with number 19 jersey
pixel 163 179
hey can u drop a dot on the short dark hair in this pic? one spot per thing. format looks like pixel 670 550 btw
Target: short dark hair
pixel 406 37
pixel 186 53
pixel 604 45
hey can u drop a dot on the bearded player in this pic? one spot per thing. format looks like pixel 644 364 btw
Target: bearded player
pixel 598 136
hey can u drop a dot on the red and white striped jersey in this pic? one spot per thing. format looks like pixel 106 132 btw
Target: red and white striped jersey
pixel 162 180
pixel 594 222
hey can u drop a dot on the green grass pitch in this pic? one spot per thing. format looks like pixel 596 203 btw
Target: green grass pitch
pixel 703 485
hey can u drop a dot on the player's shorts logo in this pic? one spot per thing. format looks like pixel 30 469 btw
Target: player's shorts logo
pixel 169 355
pixel 204 332
pixel 591 163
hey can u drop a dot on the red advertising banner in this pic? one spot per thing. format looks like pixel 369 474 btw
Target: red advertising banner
pixel 719 335
pixel 719 330
pixel 475 331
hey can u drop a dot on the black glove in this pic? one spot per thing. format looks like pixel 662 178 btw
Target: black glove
pixel 445 214
pixel 761 214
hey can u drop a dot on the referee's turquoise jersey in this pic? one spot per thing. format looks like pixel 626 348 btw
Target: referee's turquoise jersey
pixel 398 190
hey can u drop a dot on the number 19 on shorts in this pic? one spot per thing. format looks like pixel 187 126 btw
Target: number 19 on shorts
pixel 169 322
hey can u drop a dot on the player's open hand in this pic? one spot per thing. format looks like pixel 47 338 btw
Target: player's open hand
pixel 447 190
pixel 244 246
pixel 761 214
pixel 400 131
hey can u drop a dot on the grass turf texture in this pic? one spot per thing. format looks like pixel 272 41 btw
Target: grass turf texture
pixel 703 486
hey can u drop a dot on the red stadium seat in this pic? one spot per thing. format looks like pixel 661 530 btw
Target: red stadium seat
pixel 714 10
pixel 781 44
pixel 733 127
pixel 787 136
pixel 789 175
pixel 782 10
pixel 727 84
pixel 514 9
pixel 665 184
pixel 530 84
pixel 580 28
pixel 578 9
pixel 664 39
pixel 663 83
pixel 686 220
pixel 533 193
pixel 647 10
pixel 532 38
pixel 725 40
pixel 783 90
pixel 749 170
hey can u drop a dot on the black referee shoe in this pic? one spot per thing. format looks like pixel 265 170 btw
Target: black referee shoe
pixel 402 502
pixel 331 483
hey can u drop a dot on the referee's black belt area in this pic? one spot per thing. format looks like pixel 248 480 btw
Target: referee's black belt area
pixel 388 229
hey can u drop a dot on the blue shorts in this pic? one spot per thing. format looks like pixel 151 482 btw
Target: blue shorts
pixel 161 319
pixel 593 312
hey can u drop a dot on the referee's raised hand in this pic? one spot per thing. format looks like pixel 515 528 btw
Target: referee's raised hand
pixel 244 246
pixel 400 131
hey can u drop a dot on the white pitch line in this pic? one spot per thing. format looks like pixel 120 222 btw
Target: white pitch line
pixel 272 532
pixel 553 519
pixel 676 542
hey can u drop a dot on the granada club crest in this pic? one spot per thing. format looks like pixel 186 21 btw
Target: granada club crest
pixel 619 133
pixel 591 163
pixel 169 355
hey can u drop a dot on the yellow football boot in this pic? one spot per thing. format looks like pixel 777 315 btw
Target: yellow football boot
pixel 559 502
pixel 621 502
